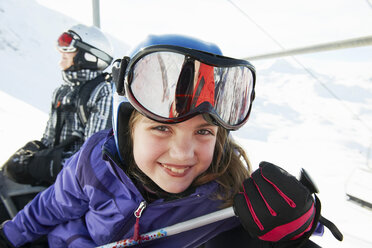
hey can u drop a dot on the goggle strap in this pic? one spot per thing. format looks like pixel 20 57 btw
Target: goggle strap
pixel 120 80
pixel 98 53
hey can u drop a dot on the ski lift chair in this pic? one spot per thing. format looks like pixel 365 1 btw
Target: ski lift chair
pixel 14 196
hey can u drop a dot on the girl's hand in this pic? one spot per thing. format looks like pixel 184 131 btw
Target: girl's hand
pixel 275 206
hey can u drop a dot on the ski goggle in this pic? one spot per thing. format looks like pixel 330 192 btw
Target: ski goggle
pixel 171 84
pixel 65 42
pixel 69 42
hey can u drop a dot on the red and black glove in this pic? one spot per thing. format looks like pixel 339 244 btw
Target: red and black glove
pixel 276 207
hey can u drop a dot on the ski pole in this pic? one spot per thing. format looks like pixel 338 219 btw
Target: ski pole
pixel 175 229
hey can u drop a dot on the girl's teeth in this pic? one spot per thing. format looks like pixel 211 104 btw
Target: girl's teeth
pixel 176 170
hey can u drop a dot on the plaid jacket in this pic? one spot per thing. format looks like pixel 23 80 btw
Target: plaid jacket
pixel 64 97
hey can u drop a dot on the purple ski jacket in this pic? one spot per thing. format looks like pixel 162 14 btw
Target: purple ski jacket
pixel 93 202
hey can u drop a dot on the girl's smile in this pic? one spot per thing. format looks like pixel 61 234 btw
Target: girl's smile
pixel 175 170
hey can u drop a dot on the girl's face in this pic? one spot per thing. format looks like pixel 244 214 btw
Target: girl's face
pixel 173 155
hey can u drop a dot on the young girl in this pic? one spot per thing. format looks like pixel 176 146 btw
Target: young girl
pixel 169 159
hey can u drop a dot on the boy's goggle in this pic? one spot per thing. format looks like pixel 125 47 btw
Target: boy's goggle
pixel 172 84
pixel 65 43
pixel 68 42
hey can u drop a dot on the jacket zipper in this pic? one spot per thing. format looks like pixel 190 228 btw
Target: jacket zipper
pixel 137 214
pixel 130 222
pixel 140 209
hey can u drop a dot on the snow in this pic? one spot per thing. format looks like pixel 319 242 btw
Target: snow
pixel 312 112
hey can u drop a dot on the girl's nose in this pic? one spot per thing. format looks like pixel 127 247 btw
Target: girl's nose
pixel 182 148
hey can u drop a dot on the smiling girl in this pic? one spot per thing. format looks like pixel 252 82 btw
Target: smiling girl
pixel 168 159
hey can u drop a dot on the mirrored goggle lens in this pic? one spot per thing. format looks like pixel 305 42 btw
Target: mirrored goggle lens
pixel 64 43
pixel 172 85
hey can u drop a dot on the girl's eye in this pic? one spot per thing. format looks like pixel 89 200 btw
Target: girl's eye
pixel 161 128
pixel 204 132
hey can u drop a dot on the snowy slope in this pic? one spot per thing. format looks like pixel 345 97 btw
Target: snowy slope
pixel 319 121
pixel 28 34
pixel 296 123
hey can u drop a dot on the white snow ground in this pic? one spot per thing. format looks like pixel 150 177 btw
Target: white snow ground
pixel 295 121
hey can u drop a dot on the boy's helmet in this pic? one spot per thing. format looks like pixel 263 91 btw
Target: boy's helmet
pixel 94 49
pixel 172 78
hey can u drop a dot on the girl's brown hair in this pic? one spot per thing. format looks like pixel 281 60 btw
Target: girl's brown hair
pixel 229 167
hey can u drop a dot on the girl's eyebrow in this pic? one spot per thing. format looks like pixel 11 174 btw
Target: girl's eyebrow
pixel 201 125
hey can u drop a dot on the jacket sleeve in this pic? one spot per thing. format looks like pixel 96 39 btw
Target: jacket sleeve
pixel 63 201
pixel 101 110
